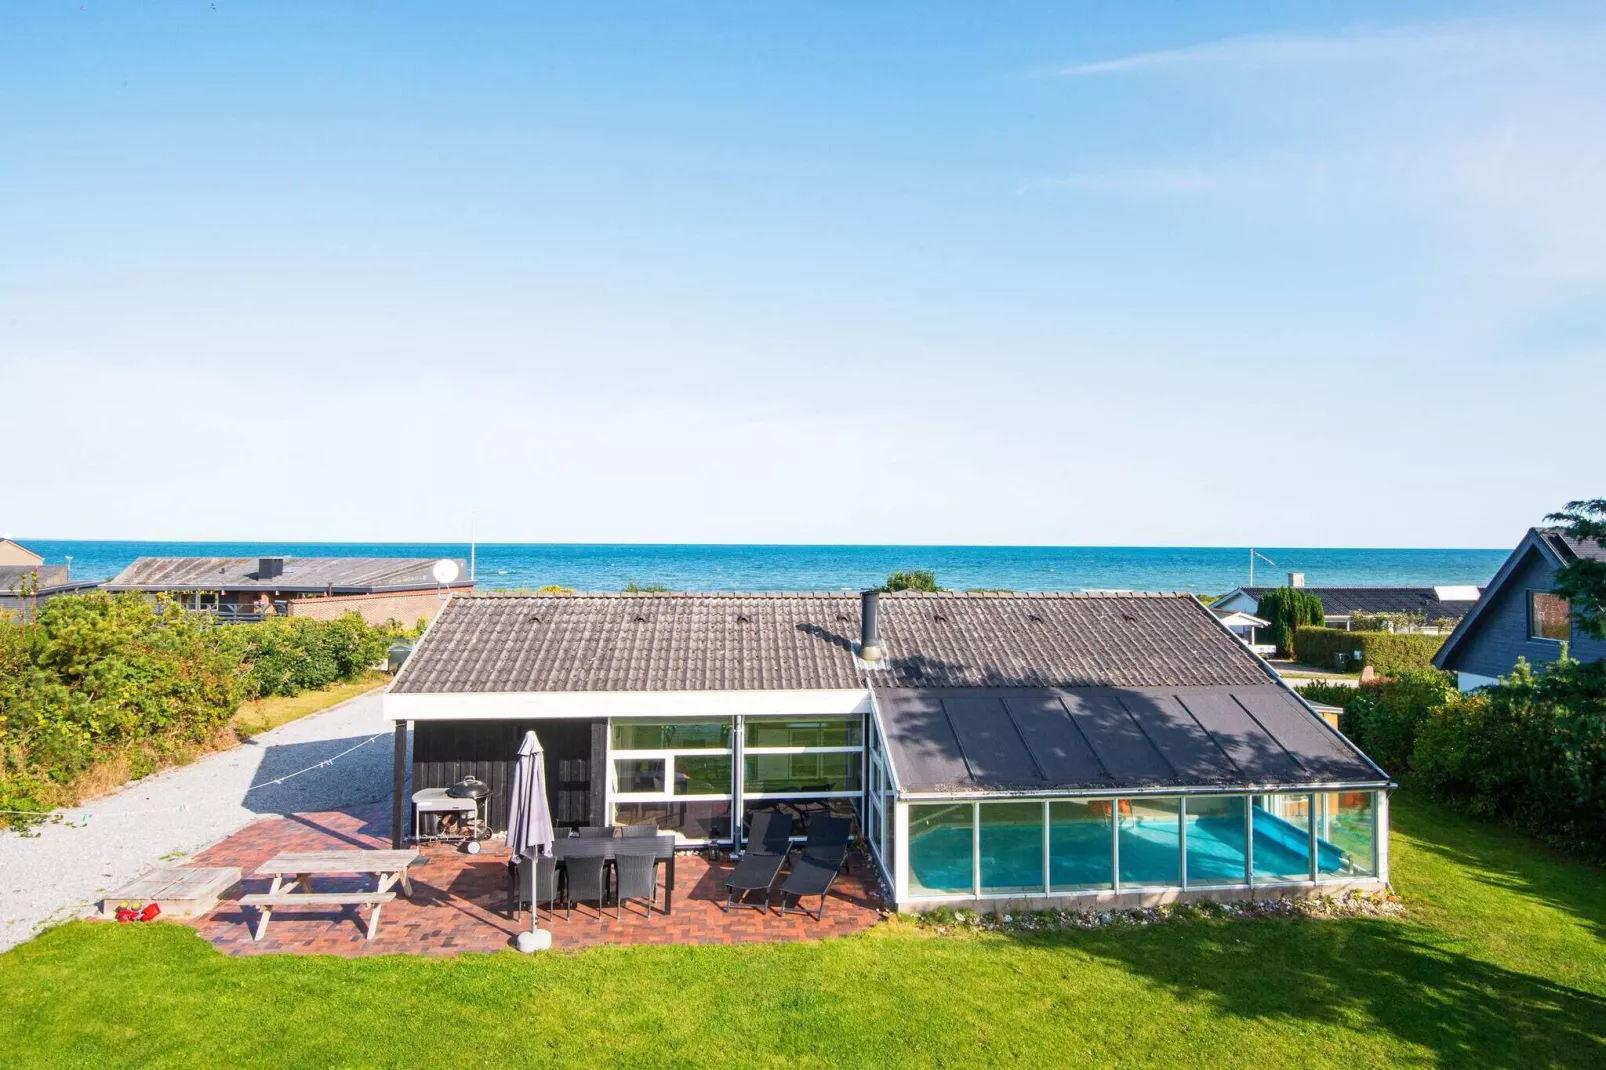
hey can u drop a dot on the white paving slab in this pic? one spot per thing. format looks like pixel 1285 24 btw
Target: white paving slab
pixel 63 871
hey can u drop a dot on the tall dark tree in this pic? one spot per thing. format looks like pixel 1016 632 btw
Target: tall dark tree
pixel 1583 583
pixel 1287 608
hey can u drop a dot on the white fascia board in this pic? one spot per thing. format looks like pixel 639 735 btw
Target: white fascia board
pixel 547 705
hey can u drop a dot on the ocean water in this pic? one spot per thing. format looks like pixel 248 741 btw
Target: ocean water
pixel 602 567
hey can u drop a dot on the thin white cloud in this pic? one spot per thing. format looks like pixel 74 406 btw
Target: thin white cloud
pixel 1459 43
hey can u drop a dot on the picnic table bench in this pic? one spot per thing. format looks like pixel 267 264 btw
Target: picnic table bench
pixel 390 867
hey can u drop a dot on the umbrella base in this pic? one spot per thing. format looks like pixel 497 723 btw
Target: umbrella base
pixel 539 940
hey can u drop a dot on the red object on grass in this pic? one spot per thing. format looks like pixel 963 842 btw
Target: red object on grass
pixel 149 912
pixel 125 914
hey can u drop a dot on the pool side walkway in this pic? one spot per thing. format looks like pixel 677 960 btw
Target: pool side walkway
pixel 459 901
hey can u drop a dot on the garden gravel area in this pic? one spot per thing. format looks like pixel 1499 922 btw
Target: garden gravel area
pixel 64 870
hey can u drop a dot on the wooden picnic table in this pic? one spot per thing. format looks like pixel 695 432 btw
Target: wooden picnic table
pixel 390 867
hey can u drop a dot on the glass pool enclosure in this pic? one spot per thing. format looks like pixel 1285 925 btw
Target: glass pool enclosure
pixel 944 844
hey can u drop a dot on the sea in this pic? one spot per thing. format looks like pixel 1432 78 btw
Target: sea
pixel 609 567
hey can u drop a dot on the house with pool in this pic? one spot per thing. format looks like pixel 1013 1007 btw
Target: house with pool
pixel 998 751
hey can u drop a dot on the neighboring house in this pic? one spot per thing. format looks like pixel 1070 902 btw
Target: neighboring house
pixel 26 581
pixel 14 553
pixel 1518 617
pixel 1244 626
pixel 249 588
pixel 1043 749
pixel 1439 607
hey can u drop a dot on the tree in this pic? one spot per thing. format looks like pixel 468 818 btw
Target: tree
pixel 1583 583
pixel 1287 608
pixel 915 579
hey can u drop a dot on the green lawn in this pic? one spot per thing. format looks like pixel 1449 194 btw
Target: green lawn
pixel 1503 963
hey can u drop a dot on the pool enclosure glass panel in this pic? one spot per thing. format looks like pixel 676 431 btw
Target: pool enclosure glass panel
pixel 1282 838
pixel 1079 851
pixel 1011 847
pixel 941 848
pixel 803 773
pixel 1346 834
pixel 1150 841
pixel 1218 835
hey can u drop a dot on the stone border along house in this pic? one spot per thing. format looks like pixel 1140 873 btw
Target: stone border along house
pixel 402 589
pixel 1518 617
pixel 998 750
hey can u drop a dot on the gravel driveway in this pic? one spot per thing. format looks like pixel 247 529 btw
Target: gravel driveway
pixel 67 868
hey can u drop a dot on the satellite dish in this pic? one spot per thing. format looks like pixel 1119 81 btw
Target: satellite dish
pixel 445 570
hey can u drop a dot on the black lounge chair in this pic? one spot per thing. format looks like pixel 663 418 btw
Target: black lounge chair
pixel 809 876
pixel 829 840
pixel 767 844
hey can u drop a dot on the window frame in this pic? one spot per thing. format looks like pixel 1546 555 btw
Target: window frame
pixel 1534 594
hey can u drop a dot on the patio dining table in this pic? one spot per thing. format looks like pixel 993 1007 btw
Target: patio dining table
pixel 662 847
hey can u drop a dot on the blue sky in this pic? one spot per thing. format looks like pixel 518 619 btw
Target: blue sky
pixel 1287 274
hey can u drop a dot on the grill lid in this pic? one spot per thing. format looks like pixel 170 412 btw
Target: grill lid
pixel 470 787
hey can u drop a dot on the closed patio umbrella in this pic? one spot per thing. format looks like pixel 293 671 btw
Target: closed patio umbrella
pixel 529 820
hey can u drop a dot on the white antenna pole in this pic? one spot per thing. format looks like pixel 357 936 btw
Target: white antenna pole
pixel 1251 566
pixel 473 520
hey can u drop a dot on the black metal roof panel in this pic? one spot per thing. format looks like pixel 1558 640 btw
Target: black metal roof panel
pixel 1001 740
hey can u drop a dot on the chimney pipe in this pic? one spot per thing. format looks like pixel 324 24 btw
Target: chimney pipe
pixel 1296 579
pixel 869 632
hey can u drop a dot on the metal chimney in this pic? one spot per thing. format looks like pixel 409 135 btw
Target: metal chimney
pixel 1296 579
pixel 270 568
pixel 869 631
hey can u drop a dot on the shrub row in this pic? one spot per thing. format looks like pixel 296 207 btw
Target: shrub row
pixel 1387 652
pixel 99 675
pixel 1530 751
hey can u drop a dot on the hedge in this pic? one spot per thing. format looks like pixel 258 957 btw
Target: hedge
pixel 1529 751
pixel 1388 653
pixel 100 676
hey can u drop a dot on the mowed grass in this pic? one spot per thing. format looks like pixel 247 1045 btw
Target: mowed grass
pixel 1502 963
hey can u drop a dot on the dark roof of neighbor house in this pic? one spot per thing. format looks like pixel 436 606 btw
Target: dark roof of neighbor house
pixel 697 642
pixel 1561 550
pixel 1569 549
pixel 1345 600
pixel 341 575
pixel 946 740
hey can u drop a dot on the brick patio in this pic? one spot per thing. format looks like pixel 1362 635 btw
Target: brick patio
pixel 459 901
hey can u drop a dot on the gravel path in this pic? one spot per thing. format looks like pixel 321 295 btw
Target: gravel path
pixel 67 868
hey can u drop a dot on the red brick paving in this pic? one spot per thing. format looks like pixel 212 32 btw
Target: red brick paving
pixel 459 901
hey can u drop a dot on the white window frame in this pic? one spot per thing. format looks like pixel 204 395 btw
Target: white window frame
pixel 614 797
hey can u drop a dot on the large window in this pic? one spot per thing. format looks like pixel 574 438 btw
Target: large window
pixel 1011 847
pixel 941 848
pixel 1150 835
pixel 1218 833
pixel 1549 617
pixel 804 732
pixel 1346 843
pixel 675 774
pixel 805 764
pixel 1282 837
pixel 801 774
pixel 1079 852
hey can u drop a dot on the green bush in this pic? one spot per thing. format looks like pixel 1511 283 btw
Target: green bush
pixel 1383 719
pixel 1326 694
pixel 1285 609
pixel 915 579
pixel 99 675
pixel 1530 750
pixel 1388 653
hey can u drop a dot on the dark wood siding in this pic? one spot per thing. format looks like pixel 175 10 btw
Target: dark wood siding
pixel 1500 635
pixel 445 752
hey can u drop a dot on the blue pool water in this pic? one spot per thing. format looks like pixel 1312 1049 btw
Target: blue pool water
pixel 1079 852
pixel 601 567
